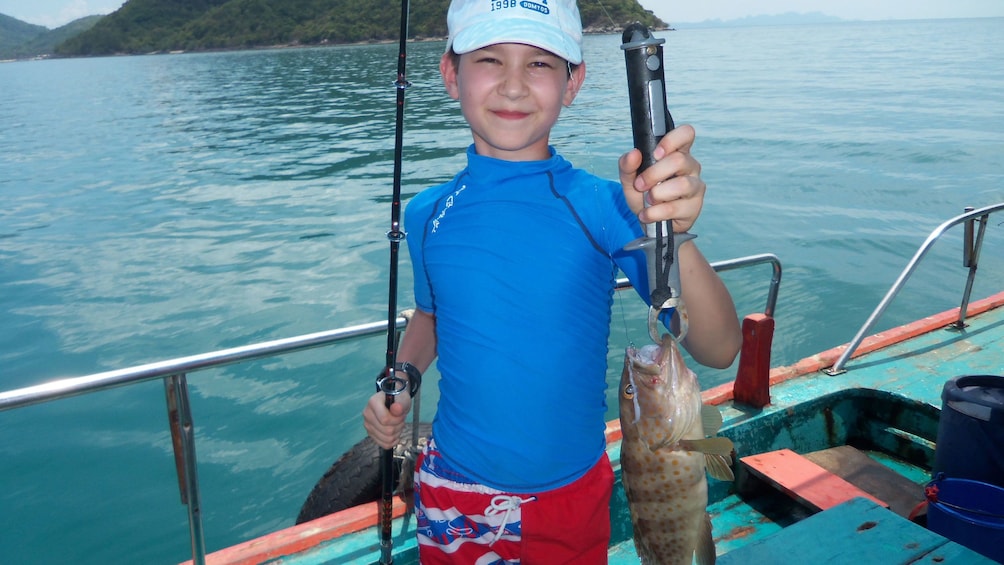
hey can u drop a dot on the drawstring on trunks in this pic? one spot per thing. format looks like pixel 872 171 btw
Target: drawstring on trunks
pixel 507 503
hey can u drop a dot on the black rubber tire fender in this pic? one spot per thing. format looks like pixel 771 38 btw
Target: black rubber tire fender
pixel 354 478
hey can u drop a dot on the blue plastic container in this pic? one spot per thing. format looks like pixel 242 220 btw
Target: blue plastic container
pixel 971 430
pixel 970 513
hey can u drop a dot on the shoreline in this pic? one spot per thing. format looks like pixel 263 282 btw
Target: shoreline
pixel 605 30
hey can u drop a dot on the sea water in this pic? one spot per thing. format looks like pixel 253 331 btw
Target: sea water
pixel 162 206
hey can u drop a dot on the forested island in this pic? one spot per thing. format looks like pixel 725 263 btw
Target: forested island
pixel 151 26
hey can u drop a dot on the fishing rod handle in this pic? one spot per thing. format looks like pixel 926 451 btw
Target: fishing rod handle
pixel 646 77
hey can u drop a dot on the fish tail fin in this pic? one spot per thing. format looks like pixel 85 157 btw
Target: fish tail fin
pixel 705 550
pixel 719 467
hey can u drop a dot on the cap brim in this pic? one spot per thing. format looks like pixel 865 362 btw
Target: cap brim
pixel 485 33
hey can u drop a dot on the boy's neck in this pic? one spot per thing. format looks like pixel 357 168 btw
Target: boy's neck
pixel 515 157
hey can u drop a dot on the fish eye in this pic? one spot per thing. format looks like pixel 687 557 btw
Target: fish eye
pixel 629 391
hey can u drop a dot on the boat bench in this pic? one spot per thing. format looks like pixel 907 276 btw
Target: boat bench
pixel 804 480
pixel 822 479
pixel 858 531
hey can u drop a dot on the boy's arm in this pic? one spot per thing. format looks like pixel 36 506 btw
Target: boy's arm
pixel 713 335
pixel 418 347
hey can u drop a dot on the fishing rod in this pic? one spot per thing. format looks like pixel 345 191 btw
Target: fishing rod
pixel 650 122
pixel 388 382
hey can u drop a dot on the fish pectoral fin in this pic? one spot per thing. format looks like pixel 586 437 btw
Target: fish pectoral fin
pixel 705 550
pixel 715 445
pixel 719 467
pixel 711 419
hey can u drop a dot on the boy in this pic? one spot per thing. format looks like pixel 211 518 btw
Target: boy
pixel 514 263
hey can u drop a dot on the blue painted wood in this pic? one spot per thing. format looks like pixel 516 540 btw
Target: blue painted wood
pixel 858 531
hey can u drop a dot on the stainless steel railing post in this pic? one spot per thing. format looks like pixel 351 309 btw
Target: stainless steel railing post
pixel 970 259
pixel 183 438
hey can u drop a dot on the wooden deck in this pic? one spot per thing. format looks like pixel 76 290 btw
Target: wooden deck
pixel 858 531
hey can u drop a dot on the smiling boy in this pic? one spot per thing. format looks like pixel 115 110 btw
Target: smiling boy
pixel 515 260
pixel 511 96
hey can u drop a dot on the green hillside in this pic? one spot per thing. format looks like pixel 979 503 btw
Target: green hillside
pixel 14 33
pixel 45 44
pixel 20 40
pixel 144 26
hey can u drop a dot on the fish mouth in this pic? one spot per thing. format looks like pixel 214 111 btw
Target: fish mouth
pixel 649 354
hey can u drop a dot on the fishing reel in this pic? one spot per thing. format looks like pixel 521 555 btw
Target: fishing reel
pixel 392 385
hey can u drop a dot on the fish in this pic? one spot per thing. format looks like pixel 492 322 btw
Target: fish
pixel 666 455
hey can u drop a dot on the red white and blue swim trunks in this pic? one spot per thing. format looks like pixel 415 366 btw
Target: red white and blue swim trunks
pixel 460 521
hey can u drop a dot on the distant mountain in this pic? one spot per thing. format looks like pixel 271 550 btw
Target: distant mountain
pixel 21 40
pixel 144 26
pixel 14 32
pixel 789 18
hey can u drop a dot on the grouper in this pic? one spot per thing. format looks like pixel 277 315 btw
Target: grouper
pixel 666 453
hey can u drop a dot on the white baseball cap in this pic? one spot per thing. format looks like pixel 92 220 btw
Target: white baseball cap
pixel 552 25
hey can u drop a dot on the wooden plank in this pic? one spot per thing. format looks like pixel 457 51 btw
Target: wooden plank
pixel 953 552
pixel 289 542
pixel 857 531
pixel 804 480
pixel 857 468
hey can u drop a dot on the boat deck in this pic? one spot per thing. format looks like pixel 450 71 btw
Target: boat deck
pixel 886 405
pixel 895 391
pixel 859 531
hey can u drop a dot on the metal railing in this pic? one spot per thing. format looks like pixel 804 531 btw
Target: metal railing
pixel 174 373
pixel 179 413
pixel 972 244
pixel 741 263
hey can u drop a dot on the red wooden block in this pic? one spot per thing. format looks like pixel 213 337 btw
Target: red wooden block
pixel 804 480
pixel 752 385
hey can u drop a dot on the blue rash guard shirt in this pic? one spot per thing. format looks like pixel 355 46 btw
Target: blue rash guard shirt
pixel 518 261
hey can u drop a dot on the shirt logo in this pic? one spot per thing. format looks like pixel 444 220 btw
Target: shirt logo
pixel 438 220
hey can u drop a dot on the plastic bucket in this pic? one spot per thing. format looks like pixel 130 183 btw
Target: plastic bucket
pixel 971 430
pixel 968 512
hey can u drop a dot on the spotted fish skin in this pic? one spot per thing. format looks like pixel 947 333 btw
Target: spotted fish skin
pixel 665 483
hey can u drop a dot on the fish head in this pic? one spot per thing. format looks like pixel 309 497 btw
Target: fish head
pixel 660 399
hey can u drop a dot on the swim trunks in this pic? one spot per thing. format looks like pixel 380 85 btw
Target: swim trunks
pixel 460 521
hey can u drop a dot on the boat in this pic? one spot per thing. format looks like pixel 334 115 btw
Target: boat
pixel 836 456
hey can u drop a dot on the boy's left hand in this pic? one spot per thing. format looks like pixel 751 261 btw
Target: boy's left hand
pixel 672 184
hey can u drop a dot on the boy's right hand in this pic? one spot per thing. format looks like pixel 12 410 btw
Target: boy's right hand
pixel 384 424
pixel 672 186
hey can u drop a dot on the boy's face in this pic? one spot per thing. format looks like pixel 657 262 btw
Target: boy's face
pixel 511 95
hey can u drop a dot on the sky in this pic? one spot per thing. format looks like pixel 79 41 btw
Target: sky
pixel 674 11
pixel 54 13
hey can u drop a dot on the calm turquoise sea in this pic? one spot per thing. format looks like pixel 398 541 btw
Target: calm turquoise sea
pixel 162 206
